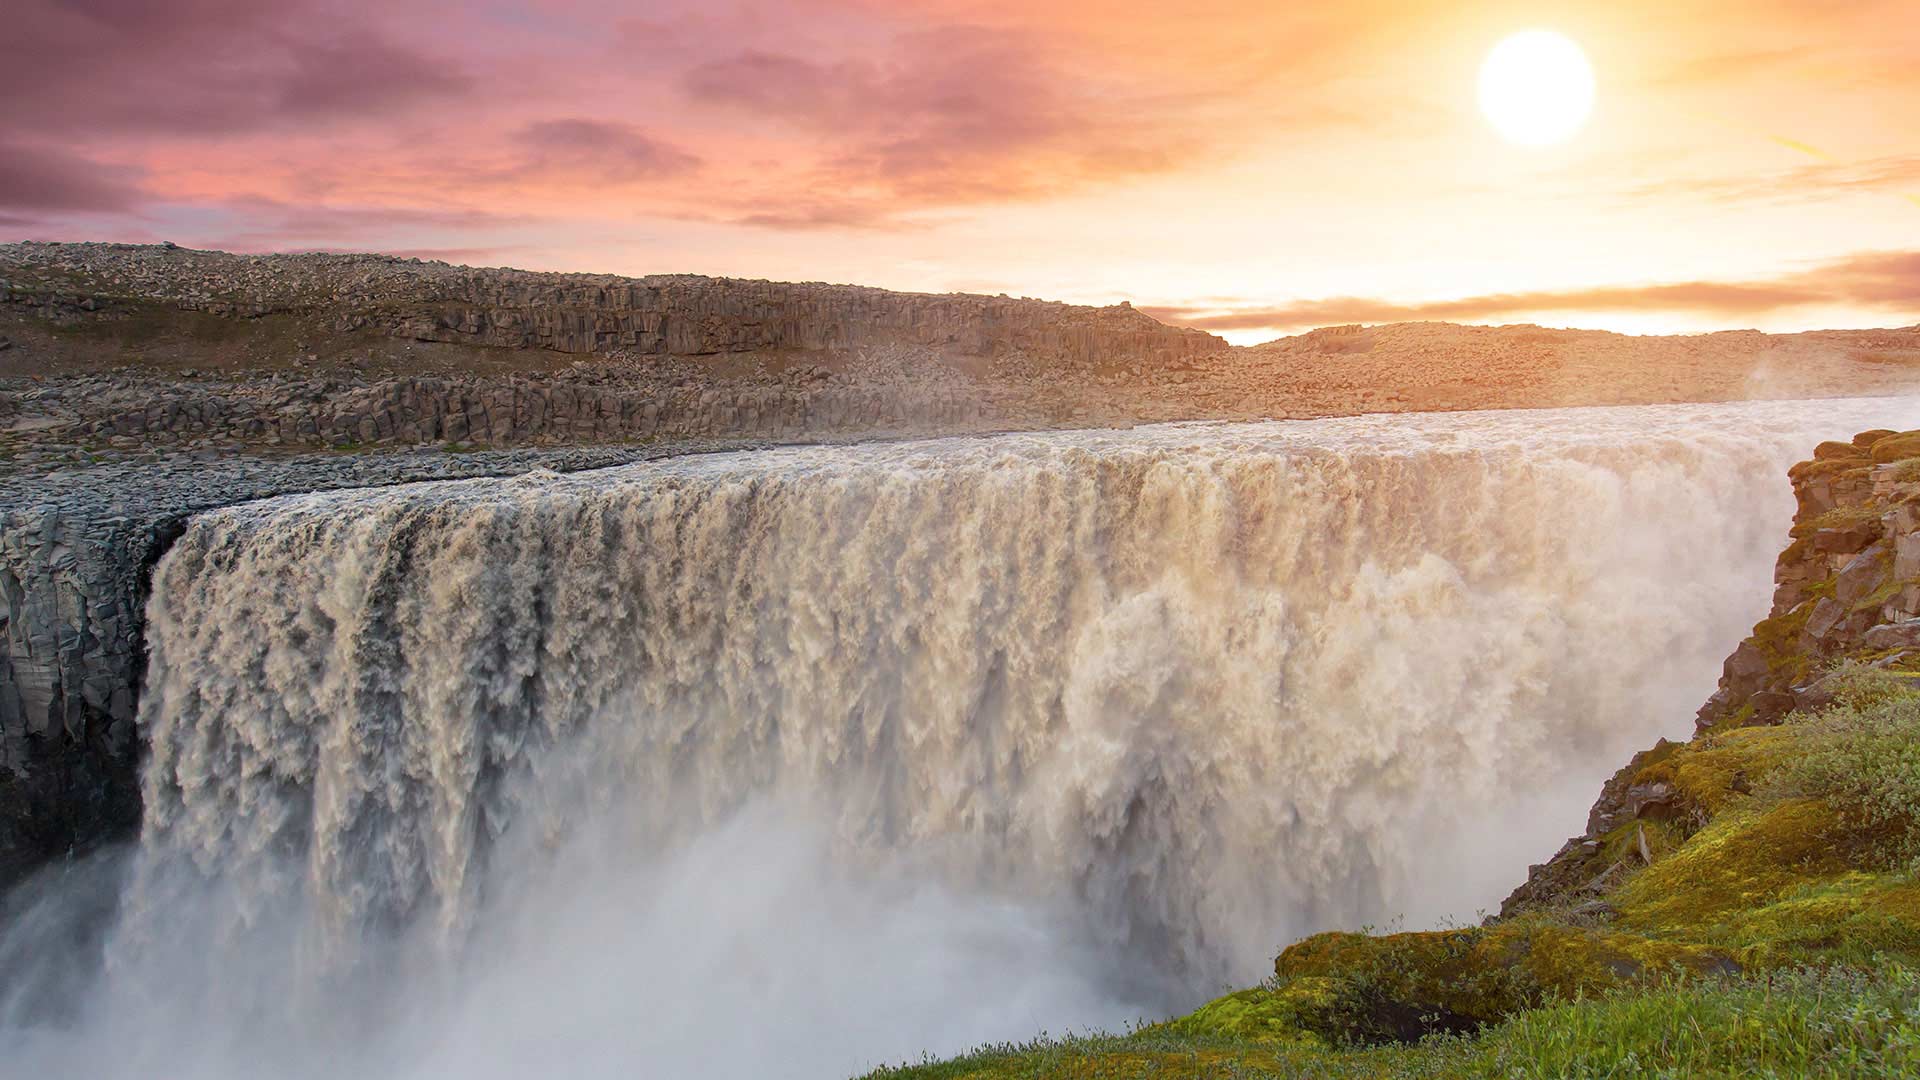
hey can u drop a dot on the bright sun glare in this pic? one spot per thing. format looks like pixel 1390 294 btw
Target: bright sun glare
pixel 1536 88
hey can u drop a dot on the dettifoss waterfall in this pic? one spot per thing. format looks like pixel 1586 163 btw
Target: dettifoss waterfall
pixel 794 762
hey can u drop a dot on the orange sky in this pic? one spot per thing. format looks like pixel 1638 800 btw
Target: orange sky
pixel 1249 167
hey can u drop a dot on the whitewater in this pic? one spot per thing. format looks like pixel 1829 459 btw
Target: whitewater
pixel 797 761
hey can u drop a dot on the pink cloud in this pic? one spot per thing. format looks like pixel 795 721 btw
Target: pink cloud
pixel 598 149
pixel 1884 280
pixel 45 179
pixel 204 66
pixel 943 116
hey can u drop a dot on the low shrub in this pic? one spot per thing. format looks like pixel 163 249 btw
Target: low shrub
pixel 1862 758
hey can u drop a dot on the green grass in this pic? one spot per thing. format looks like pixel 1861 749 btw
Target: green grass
pixel 1810 1023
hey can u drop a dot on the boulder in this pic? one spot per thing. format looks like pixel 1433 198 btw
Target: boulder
pixel 1895 635
pixel 1846 539
pixel 1827 614
pixel 1861 576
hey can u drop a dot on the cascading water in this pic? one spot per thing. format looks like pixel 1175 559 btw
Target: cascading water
pixel 794 761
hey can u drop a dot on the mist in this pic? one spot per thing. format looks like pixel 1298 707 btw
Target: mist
pixel 796 762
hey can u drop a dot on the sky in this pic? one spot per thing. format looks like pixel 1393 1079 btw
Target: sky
pixel 1251 167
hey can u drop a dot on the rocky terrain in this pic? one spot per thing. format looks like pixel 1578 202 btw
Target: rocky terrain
pixel 114 350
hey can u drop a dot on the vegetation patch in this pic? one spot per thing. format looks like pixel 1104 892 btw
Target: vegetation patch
pixel 1822 1024
pixel 1861 758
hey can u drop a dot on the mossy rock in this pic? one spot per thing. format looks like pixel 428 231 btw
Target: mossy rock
pixel 1779 639
pixel 1894 447
pixel 1297 1012
pixel 1722 767
pixel 1832 450
pixel 1866 439
pixel 1742 860
pixel 1830 467
pixel 1840 517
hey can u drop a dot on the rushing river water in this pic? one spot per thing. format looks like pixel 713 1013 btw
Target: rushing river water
pixel 792 762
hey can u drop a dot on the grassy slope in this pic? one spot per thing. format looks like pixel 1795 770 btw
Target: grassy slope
pixel 1844 1023
pixel 1765 923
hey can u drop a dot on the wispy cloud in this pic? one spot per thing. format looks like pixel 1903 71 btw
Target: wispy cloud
pixel 1806 183
pixel 1887 281
pixel 597 150
pixel 950 115
pixel 42 179
pixel 205 67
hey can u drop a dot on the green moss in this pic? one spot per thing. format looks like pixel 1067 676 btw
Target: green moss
pixel 1779 638
pixel 1297 1012
pixel 1896 447
pixel 1744 858
pixel 1486 973
pixel 1723 766
pixel 1840 517
pixel 1853 918
pixel 1814 1024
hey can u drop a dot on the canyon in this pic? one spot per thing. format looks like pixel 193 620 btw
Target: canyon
pixel 365 619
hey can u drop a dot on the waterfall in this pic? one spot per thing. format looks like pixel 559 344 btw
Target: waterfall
pixel 834 754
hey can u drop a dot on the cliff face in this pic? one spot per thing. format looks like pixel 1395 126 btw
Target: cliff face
pixel 1847 588
pixel 1848 584
pixel 69 660
pixel 131 346
pixel 695 316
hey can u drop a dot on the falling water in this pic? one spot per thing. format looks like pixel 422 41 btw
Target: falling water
pixel 793 761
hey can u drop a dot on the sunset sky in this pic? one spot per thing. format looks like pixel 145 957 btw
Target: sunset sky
pixel 1248 167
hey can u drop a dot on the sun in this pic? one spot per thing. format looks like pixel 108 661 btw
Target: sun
pixel 1536 88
